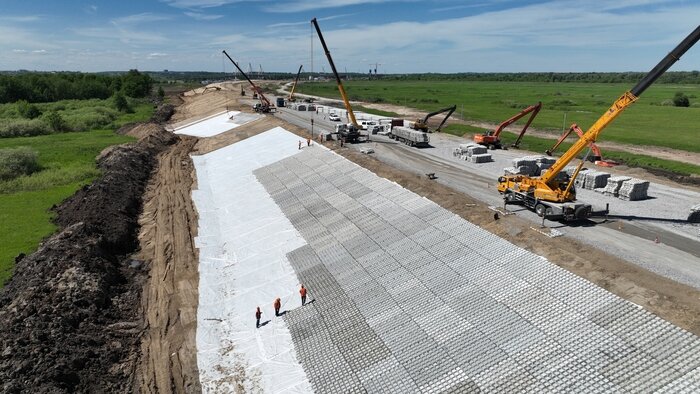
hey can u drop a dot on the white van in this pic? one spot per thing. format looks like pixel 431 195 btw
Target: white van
pixel 367 124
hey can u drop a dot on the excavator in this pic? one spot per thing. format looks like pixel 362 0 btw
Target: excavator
pixel 294 86
pixel 492 139
pixel 264 106
pixel 596 158
pixel 552 195
pixel 351 131
pixel 422 124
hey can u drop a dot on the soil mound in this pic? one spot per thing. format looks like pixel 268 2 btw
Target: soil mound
pixel 69 316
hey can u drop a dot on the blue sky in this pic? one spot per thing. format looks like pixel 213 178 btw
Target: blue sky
pixel 402 36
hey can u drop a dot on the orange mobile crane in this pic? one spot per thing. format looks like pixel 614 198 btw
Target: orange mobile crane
pixel 553 196
pixel 265 106
pixel 492 139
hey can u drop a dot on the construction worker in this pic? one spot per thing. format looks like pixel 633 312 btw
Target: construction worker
pixel 277 305
pixel 308 142
pixel 299 144
pixel 302 292
pixel 258 315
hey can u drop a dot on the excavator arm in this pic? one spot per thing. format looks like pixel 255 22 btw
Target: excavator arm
pixel 597 155
pixel 267 105
pixel 535 109
pixel 344 95
pixel 294 86
pixel 423 124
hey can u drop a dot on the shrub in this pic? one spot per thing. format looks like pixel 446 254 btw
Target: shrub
pixel 161 92
pixel 26 110
pixel 17 162
pixel 667 103
pixel 56 121
pixel 681 100
pixel 23 127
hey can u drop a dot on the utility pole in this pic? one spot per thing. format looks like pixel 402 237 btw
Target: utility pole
pixel 312 48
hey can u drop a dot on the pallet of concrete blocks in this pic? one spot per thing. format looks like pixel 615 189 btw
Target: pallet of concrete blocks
pixel 595 179
pixel 694 216
pixel 580 181
pixel 612 188
pixel 511 171
pixel 634 190
pixel 480 158
pixel 528 164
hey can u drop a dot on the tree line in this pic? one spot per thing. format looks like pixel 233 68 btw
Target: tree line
pixel 688 77
pixel 34 87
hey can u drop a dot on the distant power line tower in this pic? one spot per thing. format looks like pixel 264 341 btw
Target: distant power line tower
pixel 376 65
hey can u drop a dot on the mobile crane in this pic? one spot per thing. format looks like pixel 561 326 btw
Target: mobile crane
pixel 492 139
pixel 351 131
pixel 596 158
pixel 422 125
pixel 551 195
pixel 294 86
pixel 265 106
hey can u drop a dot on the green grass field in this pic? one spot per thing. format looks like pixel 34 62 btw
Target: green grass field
pixel 646 122
pixel 68 163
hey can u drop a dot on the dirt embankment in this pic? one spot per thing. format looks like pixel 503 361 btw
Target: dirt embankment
pixel 69 316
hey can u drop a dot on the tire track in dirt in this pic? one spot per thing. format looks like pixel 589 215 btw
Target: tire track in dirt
pixel 170 297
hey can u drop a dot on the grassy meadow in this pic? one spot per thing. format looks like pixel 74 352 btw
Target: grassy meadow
pixel 650 121
pixel 66 161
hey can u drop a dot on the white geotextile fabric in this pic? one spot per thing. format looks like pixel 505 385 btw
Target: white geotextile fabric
pixel 211 126
pixel 243 241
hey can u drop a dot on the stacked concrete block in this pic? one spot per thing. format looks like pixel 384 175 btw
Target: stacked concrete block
pixel 612 188
pixel 580 181
pixel 408 297
pixel 694 216
pixel 595 179
pixel 634 190
pixel 480 158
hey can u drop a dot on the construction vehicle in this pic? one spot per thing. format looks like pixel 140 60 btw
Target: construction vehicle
pixel 422 124
pixel 492 139
pixel 264 106
pixel 410 137
pixel 552 194
pixel 596 158
pixel 350 132
pixel 294 86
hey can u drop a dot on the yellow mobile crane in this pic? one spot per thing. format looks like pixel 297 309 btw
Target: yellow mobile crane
pixel 351 131
pixel 552 195
pixel 294 86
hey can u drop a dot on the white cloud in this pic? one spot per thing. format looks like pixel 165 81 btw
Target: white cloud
pixel 145 17
pixel 288 24
pixel 203 17
pixel 194 4
pixel 308 5
pixel 155 55
pixel 39 51
pixel 21 19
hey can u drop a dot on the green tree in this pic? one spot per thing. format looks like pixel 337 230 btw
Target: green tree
pixel 26 110
pixel 681 100
pixel 136 84
pixel 120 103
pixel 56 121
pixel 161 92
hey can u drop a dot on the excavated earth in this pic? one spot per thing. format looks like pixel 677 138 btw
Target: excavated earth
pixel 70 316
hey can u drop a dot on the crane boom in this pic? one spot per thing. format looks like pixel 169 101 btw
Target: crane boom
pixel 493 138
pixel 294 86
pixel 423 124
pixel 552 195
pixel 335 73
pixel 256 89
pixel 627 99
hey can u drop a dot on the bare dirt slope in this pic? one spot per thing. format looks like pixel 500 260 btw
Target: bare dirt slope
pixel 69 316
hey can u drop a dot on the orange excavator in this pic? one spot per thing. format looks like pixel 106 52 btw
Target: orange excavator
pixel 596 157
pixel 492 139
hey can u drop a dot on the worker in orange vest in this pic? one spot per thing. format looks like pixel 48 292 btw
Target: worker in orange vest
pixel 302 291
pixel 258 315
pixel 277 305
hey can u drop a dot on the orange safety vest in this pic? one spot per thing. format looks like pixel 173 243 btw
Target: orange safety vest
pixel 277 304
pixel 302 291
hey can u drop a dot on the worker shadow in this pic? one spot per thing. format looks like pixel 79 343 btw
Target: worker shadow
pixel 263 324
pixel 282 313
